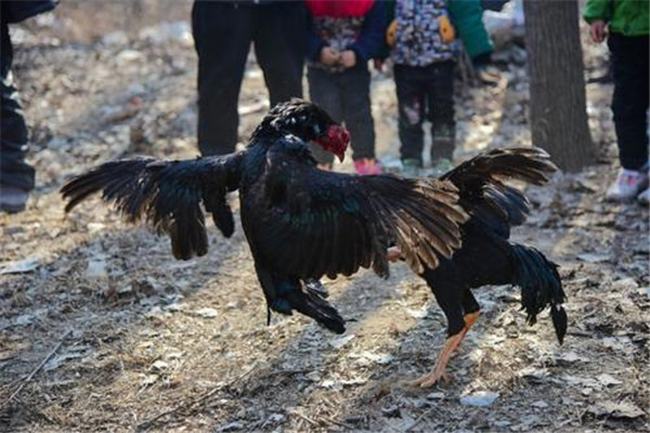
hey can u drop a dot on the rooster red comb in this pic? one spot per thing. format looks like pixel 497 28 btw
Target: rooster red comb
pixel 335 140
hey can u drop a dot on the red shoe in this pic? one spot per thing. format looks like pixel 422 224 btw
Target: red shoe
pixel 366 166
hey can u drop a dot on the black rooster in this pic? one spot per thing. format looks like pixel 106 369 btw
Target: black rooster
pixel 486 256
pixel 301 223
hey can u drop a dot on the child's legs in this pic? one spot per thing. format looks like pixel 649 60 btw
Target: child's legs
pixel 630 101
pixel 410 99
pixel 355 93
pixel 324 91
pixel 440 100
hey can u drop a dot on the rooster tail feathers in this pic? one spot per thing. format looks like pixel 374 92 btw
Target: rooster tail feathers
pixel 540 286
pixel 306 298
pixel 559 318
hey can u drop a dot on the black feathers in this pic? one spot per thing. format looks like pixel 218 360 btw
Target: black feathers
pixel 484 193
pixel 540 286
pixel 336 223
pixel 486 256
pixel 300 222
pixel 167 194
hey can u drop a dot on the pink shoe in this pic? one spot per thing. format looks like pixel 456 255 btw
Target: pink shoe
pixel 367 166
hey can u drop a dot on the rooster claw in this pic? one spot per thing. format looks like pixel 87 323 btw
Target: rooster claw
pixel 429 380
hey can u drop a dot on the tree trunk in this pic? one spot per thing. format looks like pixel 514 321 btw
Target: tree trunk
pixel 558 115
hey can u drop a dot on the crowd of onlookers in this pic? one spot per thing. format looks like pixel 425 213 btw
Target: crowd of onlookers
pixel 338 39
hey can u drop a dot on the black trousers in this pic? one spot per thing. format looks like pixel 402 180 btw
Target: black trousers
pixel 629 59
pixel 223 32
pixel 14 171
pixel 426 93
pixel 346 98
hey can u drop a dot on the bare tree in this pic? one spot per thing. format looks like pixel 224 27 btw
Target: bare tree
pixel 558 115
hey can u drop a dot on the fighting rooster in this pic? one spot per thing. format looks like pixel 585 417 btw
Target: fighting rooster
pixel 301 223
pixel 487 256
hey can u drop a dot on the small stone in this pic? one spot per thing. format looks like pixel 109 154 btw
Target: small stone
pixel 479 398
pixel 207 313
pixel 337 343
pixel 314 376
pixel 391 411
pixel 233 426
pixel 593 257
pixel 607 379
pixel 96 269
pixel 625 285
pixel 149 379
pixel 125 290
pixel 128 55
pixel 115 38
pixel 159 366
pixel 614 409
pixel 435 396
pixel 95 227
pixel 19 266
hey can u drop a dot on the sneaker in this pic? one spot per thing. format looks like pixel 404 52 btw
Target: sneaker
pixel 441 166
pixel 628 184
pixel 12 199
pixel 366 166
pixel 488 75
pixel 411 167
pixel 644 197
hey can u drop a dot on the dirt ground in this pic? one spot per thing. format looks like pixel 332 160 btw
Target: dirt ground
pixel 101 330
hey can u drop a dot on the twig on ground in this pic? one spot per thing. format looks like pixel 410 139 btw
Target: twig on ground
pixel 36 370
pixel 338 423
pixel 419 419
pixel 185 405
pixel 305 418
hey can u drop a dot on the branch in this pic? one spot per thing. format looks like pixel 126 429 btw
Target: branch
pixel 36 370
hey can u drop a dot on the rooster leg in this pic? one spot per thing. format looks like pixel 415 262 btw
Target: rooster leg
pixel 438 371
pixel 469 319
pixel 472 310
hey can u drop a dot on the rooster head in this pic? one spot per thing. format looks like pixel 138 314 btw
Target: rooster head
pixel 308 122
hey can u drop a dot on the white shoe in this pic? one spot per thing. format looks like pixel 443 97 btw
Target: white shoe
pixel 644 197
pixel 628 184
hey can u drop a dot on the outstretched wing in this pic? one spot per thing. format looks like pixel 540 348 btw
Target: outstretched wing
pixel 319 223
pixel 167 194
pixel 484 193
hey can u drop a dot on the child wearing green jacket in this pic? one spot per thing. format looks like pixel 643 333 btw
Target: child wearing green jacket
pixel 624 23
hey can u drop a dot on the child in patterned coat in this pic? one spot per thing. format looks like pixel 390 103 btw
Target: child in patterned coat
pixel 424 50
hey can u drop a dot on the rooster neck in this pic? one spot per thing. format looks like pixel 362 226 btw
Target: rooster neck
pixel 265 133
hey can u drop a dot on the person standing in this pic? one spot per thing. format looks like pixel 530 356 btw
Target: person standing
pixel 424 50
pixel 16 175
pixel 627 21
pixel 344 35
pixel 223 32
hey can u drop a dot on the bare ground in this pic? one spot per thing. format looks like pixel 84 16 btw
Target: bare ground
pixel 129 339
